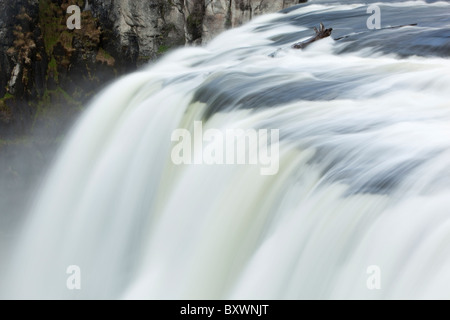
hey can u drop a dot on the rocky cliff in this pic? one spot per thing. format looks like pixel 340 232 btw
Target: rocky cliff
pixel 47 71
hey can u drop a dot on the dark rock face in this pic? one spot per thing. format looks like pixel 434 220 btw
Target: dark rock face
pixel 48 72
pixel 21 65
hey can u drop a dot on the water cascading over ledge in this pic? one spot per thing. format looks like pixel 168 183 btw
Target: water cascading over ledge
pixel 363 176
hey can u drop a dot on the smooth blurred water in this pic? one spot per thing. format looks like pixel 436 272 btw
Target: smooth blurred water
pixel 364 174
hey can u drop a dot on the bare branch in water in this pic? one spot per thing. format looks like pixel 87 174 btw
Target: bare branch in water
pixel 320 34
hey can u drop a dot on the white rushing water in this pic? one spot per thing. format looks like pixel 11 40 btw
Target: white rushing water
pixel 363 181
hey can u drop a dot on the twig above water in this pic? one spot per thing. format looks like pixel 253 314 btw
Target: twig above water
pixel 320 34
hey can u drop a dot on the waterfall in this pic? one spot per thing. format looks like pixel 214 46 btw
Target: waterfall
pixel 363 179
